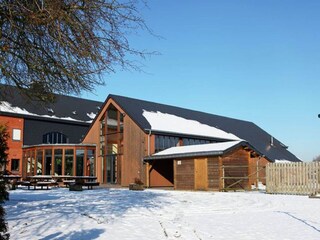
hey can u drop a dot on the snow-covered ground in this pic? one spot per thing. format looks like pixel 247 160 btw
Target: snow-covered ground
pixel 160 214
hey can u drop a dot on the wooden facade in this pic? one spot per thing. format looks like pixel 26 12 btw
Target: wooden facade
pixel 134 152
pixel 184 176
pixel 134 144
pixel 236 169
pixel 132 141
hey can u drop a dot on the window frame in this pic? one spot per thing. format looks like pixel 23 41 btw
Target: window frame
pixel 16 134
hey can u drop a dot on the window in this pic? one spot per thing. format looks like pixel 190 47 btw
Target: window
pixel 15 163
pixel 68 162
pixel 111 143
pixel 48 161
pixel 193 141
pixel 16 135
pixel 39 162
pixel 164 142
pixel 54 137
pixel 90 164
pixel 57 162
pixel 80 162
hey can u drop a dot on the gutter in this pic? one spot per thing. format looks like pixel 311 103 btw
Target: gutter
pixel 149 135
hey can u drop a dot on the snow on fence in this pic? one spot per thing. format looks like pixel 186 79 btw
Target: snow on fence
pixel 293 178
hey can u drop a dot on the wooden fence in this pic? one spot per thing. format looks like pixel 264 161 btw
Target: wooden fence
pixel 293 178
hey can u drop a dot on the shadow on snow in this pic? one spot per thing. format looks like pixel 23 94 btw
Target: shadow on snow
pixel 85 234
pixel 38 211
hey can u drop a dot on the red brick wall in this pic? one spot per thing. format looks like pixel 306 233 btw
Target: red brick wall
pixel 15 147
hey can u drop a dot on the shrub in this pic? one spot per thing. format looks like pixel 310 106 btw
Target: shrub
pixel 138 181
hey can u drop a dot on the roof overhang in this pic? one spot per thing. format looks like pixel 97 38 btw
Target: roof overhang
pixel 59 145
pixel 184 155
pixel 45 119
pixel 208 153
pixel 167 133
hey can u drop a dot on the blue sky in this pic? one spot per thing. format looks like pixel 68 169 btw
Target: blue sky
pixel 253 60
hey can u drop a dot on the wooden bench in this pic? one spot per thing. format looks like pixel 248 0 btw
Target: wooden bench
pixel 25 183
pixel 41 185
pixel 90 184
pixel 35 184
pixel 68 182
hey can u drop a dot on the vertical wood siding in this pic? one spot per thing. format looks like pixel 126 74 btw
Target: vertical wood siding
pixel 184 174
pixel 213 173
pixel 133 153
pixel 201 174
pixel 240 158
pixel 293 178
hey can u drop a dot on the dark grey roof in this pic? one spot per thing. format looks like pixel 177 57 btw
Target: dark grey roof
pixel 245 130
pixel 63 107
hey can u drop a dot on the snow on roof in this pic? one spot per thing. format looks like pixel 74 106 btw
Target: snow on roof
pixel 170 123
pixel 7 107
pixel 211 147
pixel 282 161
pixel 91 115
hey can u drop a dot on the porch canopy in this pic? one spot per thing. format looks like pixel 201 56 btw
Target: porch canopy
pixel 211 149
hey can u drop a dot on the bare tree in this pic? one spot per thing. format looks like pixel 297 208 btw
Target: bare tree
pixel 4 195
pixel 63 46
pixel 316 159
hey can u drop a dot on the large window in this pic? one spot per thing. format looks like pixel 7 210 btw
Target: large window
pixel 54 137
pixel 68 162
pixel 58 162
pixel 39 162
pixel 194 141
pixel 90 162
pixel 111 143
pixel 80 162
pixel 48 162
pixel 30 160
pixel 164 142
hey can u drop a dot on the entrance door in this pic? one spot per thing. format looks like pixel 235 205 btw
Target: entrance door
pixel 200 174
pixel 112 169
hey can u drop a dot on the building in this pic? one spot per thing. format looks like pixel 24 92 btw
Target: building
pixel 35 128
pixel 125 138
pixel 130 135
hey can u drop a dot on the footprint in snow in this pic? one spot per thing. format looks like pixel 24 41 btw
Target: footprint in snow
pixel 177 234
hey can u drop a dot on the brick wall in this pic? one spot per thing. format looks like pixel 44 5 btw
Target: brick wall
pixel 15 146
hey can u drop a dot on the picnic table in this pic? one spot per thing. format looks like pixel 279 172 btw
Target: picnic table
pixel 48 180
pixel 12 177
pixel 13 180
pixel 39 181
pixel 87 181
